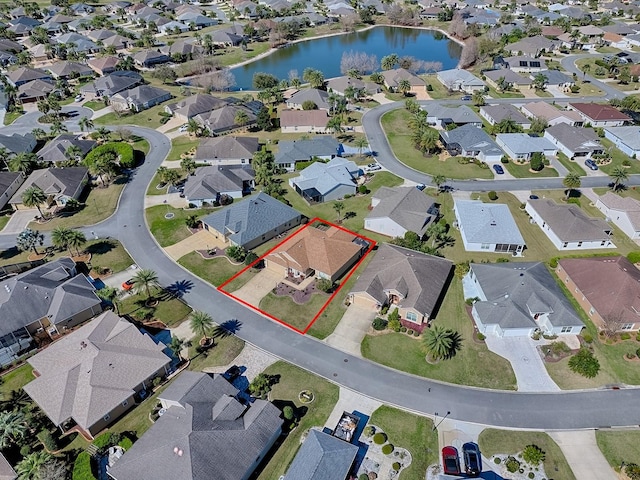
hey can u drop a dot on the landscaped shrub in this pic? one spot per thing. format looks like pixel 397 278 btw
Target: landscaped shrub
pixel 533 455
pixel 633 471
pixel 82 468
pixel 324 284
pixel 553 263
pixel 369 430
pixel 379 323
pixel 409 332
pixel 236 252
pixel 512 465
pixel 250 258
pixel 625 336
pixel 537 162
pixel 387 449
pixel 287 412
pixel 416 333
pixel 122 152
pixel 584 363
pixel 634 257
pixel 379 438
pixel 47 440
pixel 364 476
pixel 575 201
pixel 626 162
pixel 384 310
pixel 125 443
pixel 429 87
pixel 497 460
pixel 492 195
pixel 396 466
pixel 403 329
pixel 394 325
pixel 559 348
pixel 531 475
pixel 587 337
pixel 363 189
pixel 482 336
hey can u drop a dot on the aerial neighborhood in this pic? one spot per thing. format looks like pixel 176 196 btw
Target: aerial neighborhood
pixel 278 240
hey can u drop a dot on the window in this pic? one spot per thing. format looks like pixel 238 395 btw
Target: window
pixel 411 316
pixel 485 246
pixel 106 417
pixel 125 403
pixel 523 63
pixel 579 244
pixel 565 244
pixel 627 326
pixel 535 64
pixel 603 243
pixel 565 330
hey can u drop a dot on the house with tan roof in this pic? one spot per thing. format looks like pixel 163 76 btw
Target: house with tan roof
pixel 396 211
pixel 551 114
pixel 624 212
pixel 306 121
pixel 103 65
pixel 319 250
pixel 92 376
pixel 607 289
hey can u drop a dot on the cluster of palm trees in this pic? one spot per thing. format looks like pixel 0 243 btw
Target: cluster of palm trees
pixel 51 109
pixel 63 237
pixel 423 137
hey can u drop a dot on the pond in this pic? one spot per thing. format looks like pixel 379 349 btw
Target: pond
pixel 325 53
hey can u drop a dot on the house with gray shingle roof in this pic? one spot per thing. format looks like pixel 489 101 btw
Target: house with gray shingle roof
pixel 623 211
pixel 470 141
pixel 59 184
pixel 9 183
pixel 627 139
pixel 574 141
pixel 205 433
pixel 16 143
pixel 140 98
pixel 319 97
pixel 114 82
pixel 488 227
pixel 495 114
pixel 252 221
pixel 322 457
pixel 460 80
pixel 209 184
pixel 517 299
pixel 23 75
pixel 292 151
pixel 521 146
pixel 443 116
pixel 396 211
pixel 92 376
pixel 56 149
pixel 323 182
pixel 227 150
pixel 495 78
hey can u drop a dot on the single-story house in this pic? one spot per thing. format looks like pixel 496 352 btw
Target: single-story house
pixel 317 250
pixel 600 115
pixel 140 98
pixel 227 150
pixel 35 90
pixel 319 97
pixel 532 46
pixel 208 184
pixel 112 83
pixel 65 299
pixel 496 113
pixel 292 151
pixel 252 221
pixel 323 182
pixel 149 58
pixel 525 64
pixel 56 150
pixel 442 116
pixel 195 105
pixel 66 69
pixel 92 376
pixel 496 77
pixel 518 299
pixel 627 139
pixel 204 433
pixel 392 79
pixel 458 79
pixel 306 121
pixel 470 141
pixel 361 89
pixel 411 281
pixel 624 212
pixel 607 289
pixel 396 211
pixel 9 184
pixel 551 114
pixel 23 75
pixel 488 227
pixel 616 41
pixel 568 227
pixel 556 78
pixel 574 141
pixel 59 184
pixel 521 146
pixel 224 119
pixel 17 143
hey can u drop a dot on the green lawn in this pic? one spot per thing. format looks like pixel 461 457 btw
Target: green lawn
pixel 11 117
pixel 227 347
pixel 4 219
pixel 292 380
pixel 496 94
pixel 402 352
pixel 180 145
pixel 231 56
pixel 172 230
pixel 171 311
pixel 571 165
pixel 214 270
pixel 511 442
pixel 152 190
pixel 617 158
pixel 439 91
pixel 15 380
pixel 296 315
pixel 94 105
pixel 543 94
pixel 412 432
pixel 619 446
pixel 524 170
pixel 586 90
pixel 149 118
pixel 592 67
pixel 108 253
pixel 394 123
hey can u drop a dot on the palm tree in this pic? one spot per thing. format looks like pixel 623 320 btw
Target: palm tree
pixel 29 467
pixel 338 207
pixel 4 157
pixel 201 323
pixel 23 162
pixel 404 86
pixel 188 165
pixel 143 280
pixel 241 118
pixel 361 143
pixel 389 62
pixel 572 182
pixel 440 343
pixel 438 180
pixel 193 127
pixel 34 197
pixel 76 239
pixel 103 133
pixel 73 152
pixel 478 98
pixel 377 78
pixel 619 175
pixel 57 127
pixel 585 68
pixel 112 295
pixel 39 133
pixel 29 239
pixel 60 238
pixel 13 426
pixel 335 124
pixel 85 123
pixel 507 126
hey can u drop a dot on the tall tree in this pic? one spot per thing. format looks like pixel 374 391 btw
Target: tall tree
pixel 478 98
pixel 389 62
pixel 85 123
pixel 29 239
pixel 144 280
pixel 111 295
pixel 23 162
pixel 241 118
pixel 201 323
pixel 60 238
pixel 338 207
pixel 404 86
pixel 13 427
pixel 572 182
pixel 34 197
pixel 619 175
pixel 335 124
pixel 76 240
pixel 29 467
pixel 361 143
pixel 438 180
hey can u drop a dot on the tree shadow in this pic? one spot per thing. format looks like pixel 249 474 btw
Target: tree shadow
pixel 9 253
pixel 230 327
pixel 101 247
pixel 179 288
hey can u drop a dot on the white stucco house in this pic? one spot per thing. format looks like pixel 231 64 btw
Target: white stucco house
pixel 624 212
pixel 627 139
pixel 521 146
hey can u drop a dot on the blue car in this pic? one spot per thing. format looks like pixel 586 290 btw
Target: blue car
pixel 591 164
pixel 498 169
pixel 472 459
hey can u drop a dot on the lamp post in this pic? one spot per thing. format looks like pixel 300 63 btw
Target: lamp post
pixel 435 427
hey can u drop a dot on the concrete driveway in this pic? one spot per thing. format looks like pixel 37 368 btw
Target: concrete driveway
pixel 582 452
pixel 19 221
pixel 201 240
pixel 351 330
pixel 259 286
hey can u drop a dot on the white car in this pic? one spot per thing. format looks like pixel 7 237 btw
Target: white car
pixel 372 167
pixel 183 128
pixel 79 98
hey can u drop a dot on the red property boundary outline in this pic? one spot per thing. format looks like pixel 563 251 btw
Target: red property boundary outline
pixel 372 244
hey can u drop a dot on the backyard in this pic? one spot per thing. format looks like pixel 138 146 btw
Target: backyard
pixel 169 309
pixel 15 380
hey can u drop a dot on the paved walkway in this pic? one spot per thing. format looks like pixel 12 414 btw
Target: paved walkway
pixel 19 221
pixel 350 401
pixel 584 456
pixel 350 332
pixel 259 286
pixel 201 240
pixel 525 360
pixel 251 359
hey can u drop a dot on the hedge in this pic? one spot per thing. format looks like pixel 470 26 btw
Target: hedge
pixel 123 152
pixel 125 443
pixel 82 468
pixel 47 440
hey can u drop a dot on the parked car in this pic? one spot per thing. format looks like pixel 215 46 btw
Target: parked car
pixel 591 164
pixel 466 98
pixel 472 459
pixel 128 285
pixel 421 186
pixel 183 128
pixel 534 197
pixel 232 373
pixel 450 460
pixel 498 169
pixel 79 98
pixel 372 167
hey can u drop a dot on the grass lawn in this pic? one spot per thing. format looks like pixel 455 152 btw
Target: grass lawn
pixel 617 158
pixel 571 165
pixel 15 380
pixel 152 190
pixel 169 310
pixel 236 55
pixel 214 270
pixel 172 230
pixel 398 134
pixel 494 442
pixel 227 347
pixel 461 369
pixel 524 170
pixel 412 432
pixel 4 219
pixel 180 145
pixel 586 90
pixel 619 446
pixel 439 90
pixel 108 253
pixel 292 381
pixel 11 117
pixel 543 94
pixel 290 312
pixel 94 105
pixel 496 94
pixel 150 118
pixel 592 67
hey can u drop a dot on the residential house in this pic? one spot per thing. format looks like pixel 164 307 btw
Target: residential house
pixel 532 46
pixel 495 114
pixel 470 141
pixel 77 43
pixel 17 143
pixel 501 78
pixel 323 182
pixel 66 69
pixel 521 146
pixel 196 18
pixel 112 83
pixel 443 116
pixel 322 457
pixel 227 150
pixel 319 97
pixel 607 289
pixel 551 114
pixel 396 211
pixel 306 121
pixel 149 58
pixel 624 212
pixel 292 151
pixel 600 115
pixel 183 49
pixel 615 40
pixel 140 98
pixel 340 85
pixel 519 299
pixel 556 78
pixel 92 376
pixel 6 470
pixel 59 184
pixel 573 141
pixel 410 281
pixel 22 75
pixel 35 90
pixel 488 227
pixel 56 150
pixel 252 221
pixel 170 27
pixel 9 184
pixel 103 65
pixel 225 119
pixel 458 79
pixel 319 251
pixel 392 79
pixel 194 105
pixel 209 184
pixel 568 227
pixel 525 64
pixel 44 301
pixel 627 139
pixel 204 433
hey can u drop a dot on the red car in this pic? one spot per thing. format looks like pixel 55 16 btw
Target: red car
pixel 451 460
pixel 128 285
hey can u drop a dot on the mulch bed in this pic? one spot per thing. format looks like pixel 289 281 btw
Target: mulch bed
pixel 413 326
pixel 213 253
pixel 299 296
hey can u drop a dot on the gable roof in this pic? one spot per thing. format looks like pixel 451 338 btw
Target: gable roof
pixel 410 208
pixel 419 277
pixel 26 74
pixel 524 143
pixel 471 138
pixel 324 177
pixel 322 457
pixel 569 222
pixel 574 138
pixel 53 181
pixel 92 370
pixel 251 218
pixel 629 135
pixel 319 97
pixel 205 434
pixel 226 147
pixel 393 77
pixel 304 118
pixel 509 76
pixel 459 76
pixel 628 205
pixel 103 63
pixel 549 112
pixel 292 151
pixel 208 182
pixel 142 94
pixel 224 118
pixel 487 223
pixel 113 83
pixel 7 179
pixel 504 112
pixel 17 143
pixel 197 104
pixel 56 149
pixel 65 68
pixel 598 112
pixel 460 114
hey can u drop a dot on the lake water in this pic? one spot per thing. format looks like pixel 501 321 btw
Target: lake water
pixel 325 53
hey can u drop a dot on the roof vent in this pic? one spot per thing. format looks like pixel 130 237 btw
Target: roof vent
pixel 6 287
pixel 522 274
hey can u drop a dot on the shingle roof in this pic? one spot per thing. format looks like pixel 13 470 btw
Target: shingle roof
pixel 322 457
pixel 319 97
pixel 325 177
pixel 629 135
pixel 487 223
pixel 17 143
pixel 504 112
pixel 224 118
pixel 508 75
pixel 92 370
pixel 7 179
pixel 56 149
pixel 549 112
pixel 53 181
pixel 208 435
pixel 142 94
pixel 227 147
pixel 628 205
pixel 598 112
pixel 460 115
pixel 524 143
pixel 291 151
pixel 574 138
pixel 208 182
pixel 197 104
pixel 410 208
pixel 471 138
pixel 304 118
pixel 569 222
pixel 65 68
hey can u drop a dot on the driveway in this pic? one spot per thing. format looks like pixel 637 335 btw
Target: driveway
pixel 201 240
pixel 582 452
pixel 19 221
pixel 351 330
pixel 259 286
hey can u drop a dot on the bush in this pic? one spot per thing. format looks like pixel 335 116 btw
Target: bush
pixel 625 336
pixel 379 438
pixel 531 475
pixel 324 284
pixel 250 258
pixel 48 441
pixel 633 471
pixel 123 153
pixel 387 449
pixel 236 252
pixel 504 159
pixel 533 455
pixel 82 468
pixel 584 363
pixel 537 161
pixel 587 337
pixel 416 333
pixel 369 430
pixel 379 323
pixel 482 336
pixel 559 348
pixel 125 443
pixel 512 465
pixel 429 88
pixel 553 263
pixel 626 162
pixel 364 476
pixel 497 460
pixel 384 310
pixel 575 201
pixel 363 189
pixel 396 466
pixel 410 332
pixel 287 413
pixel 394 325
pixel 634 257
pixel 493 195
pixel 403 329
